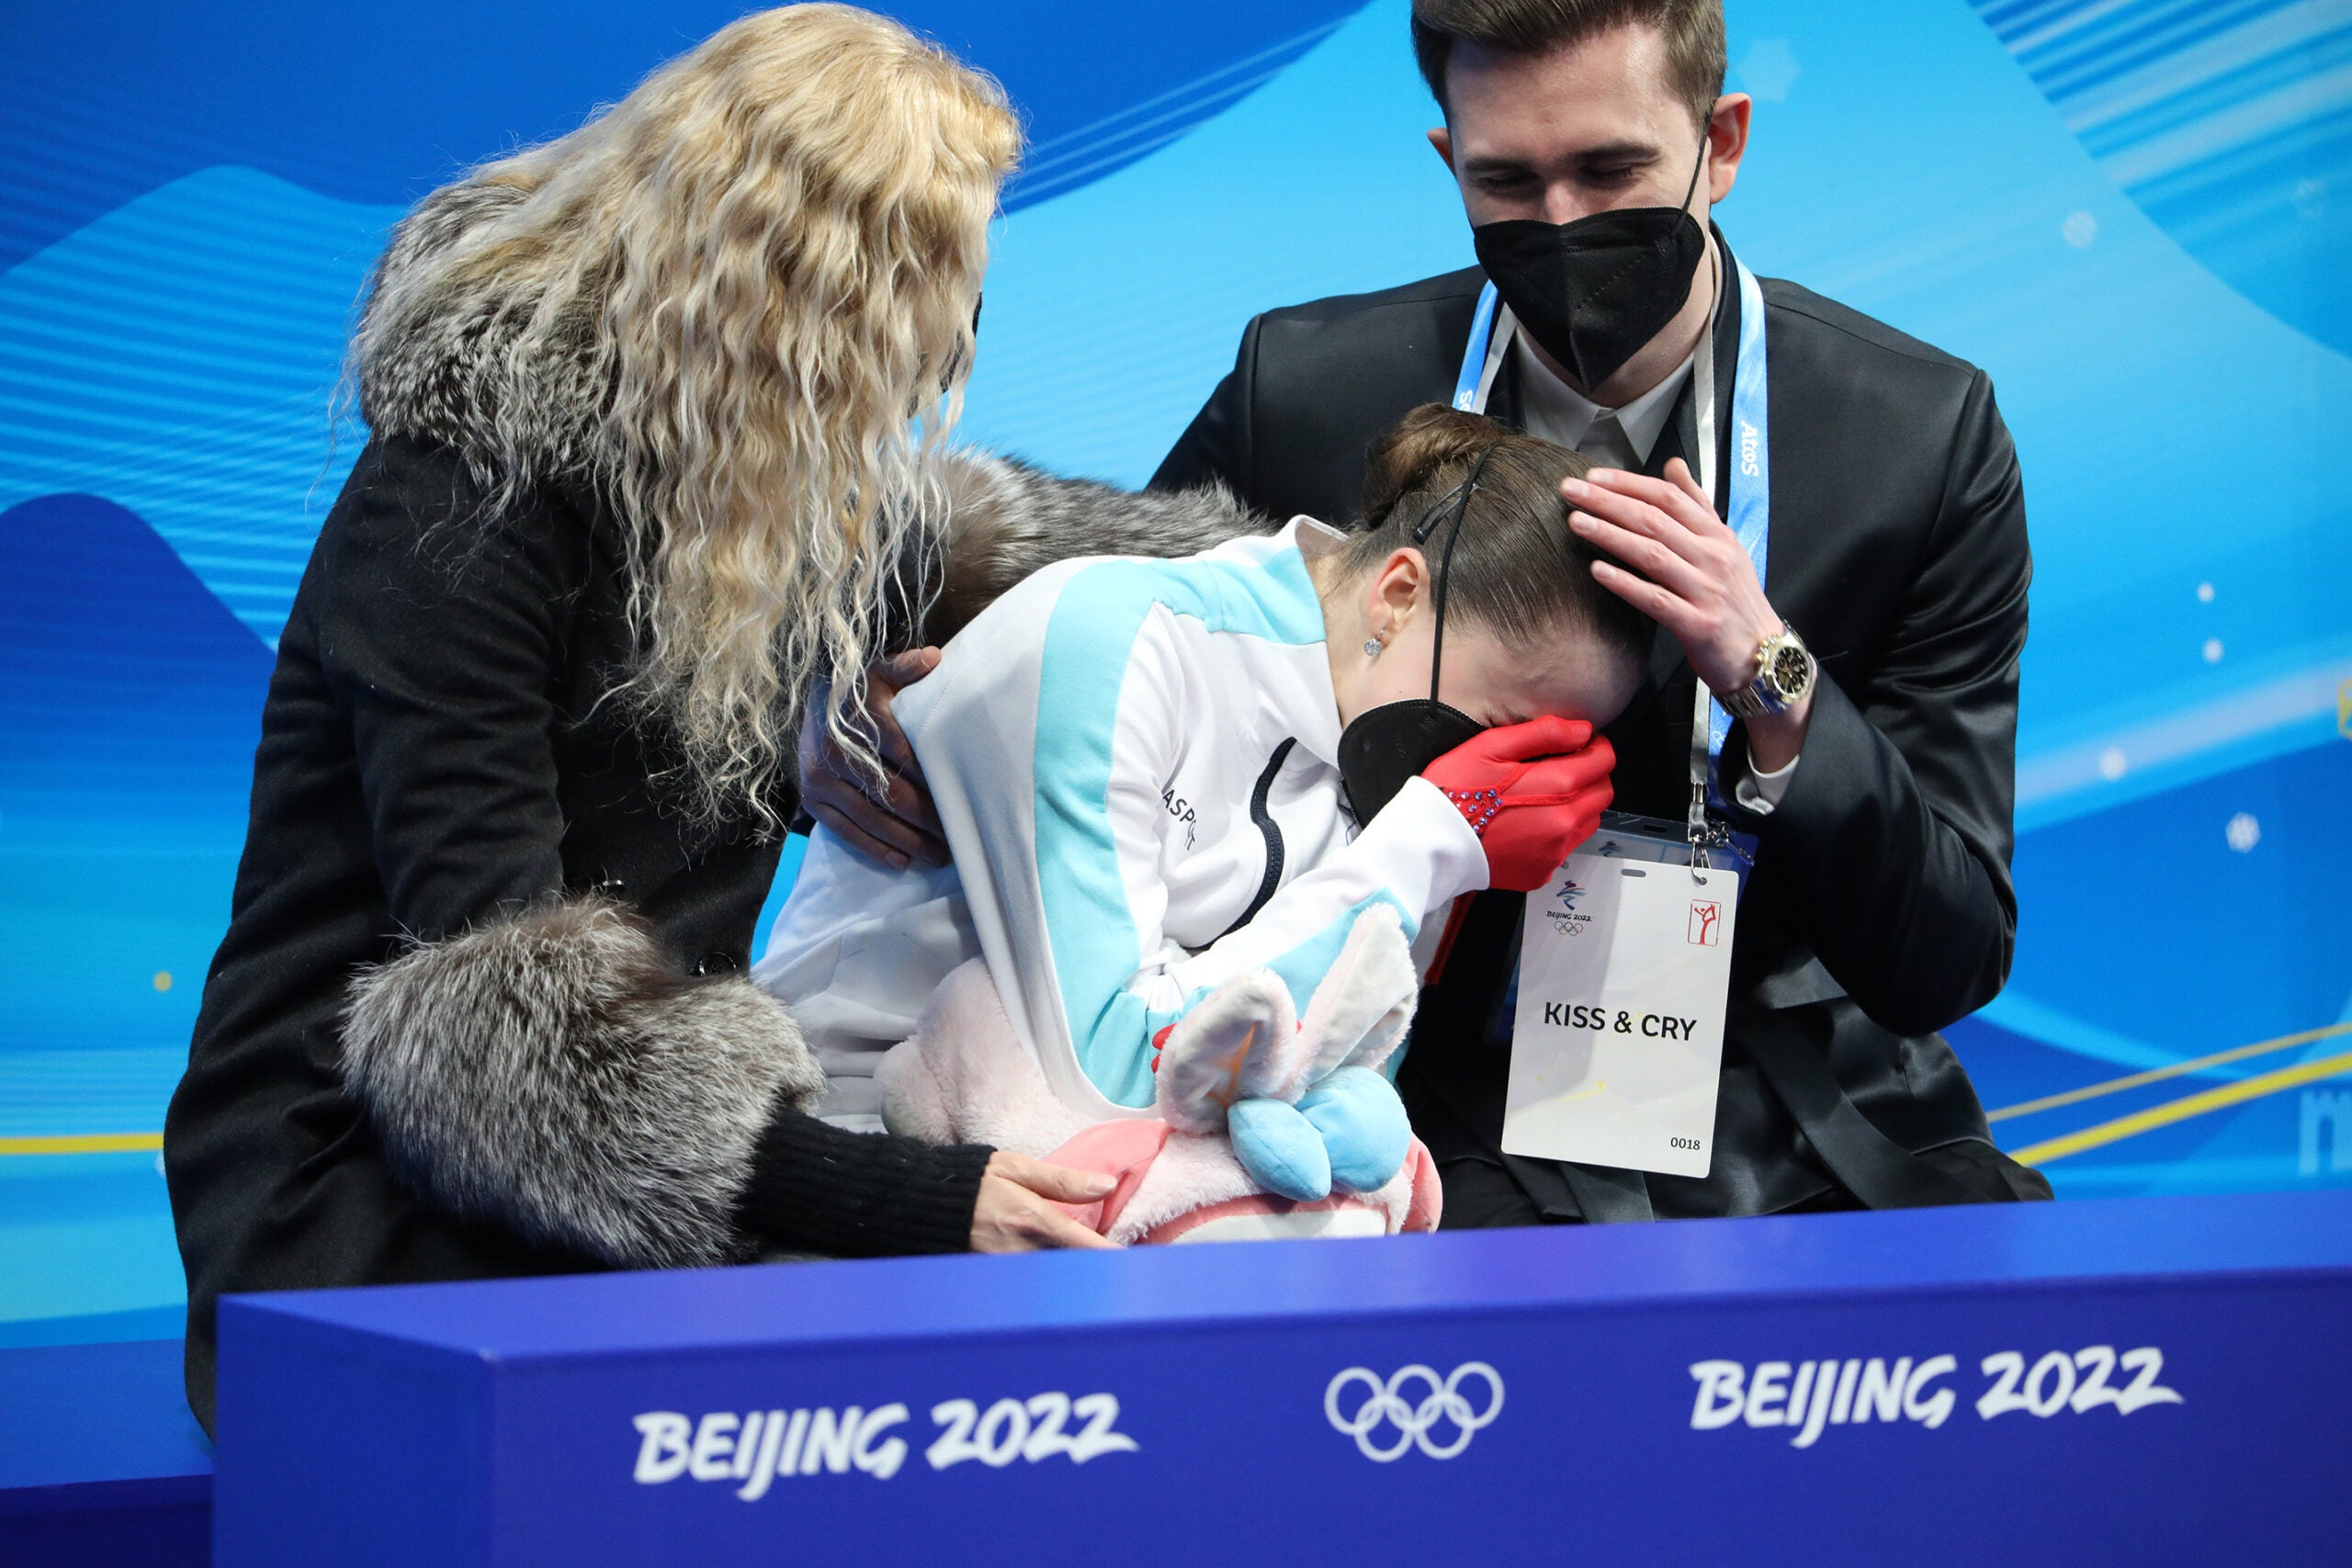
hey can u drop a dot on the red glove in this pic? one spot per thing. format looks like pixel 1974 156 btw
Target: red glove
pixel 1532 791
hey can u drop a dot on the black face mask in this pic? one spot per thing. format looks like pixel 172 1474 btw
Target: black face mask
pixel 1592 292
pixel 1389 745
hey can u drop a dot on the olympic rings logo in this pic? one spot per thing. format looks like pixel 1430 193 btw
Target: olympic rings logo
pixel 1384 1405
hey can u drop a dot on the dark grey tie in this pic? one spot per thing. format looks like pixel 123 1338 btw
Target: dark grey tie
pixel 1606 443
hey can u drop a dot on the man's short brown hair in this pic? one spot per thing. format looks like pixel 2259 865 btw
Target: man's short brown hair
pixel 1693 30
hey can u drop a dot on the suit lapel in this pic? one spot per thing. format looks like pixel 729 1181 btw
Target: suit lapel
pixel 1680 437
pixel 1503 398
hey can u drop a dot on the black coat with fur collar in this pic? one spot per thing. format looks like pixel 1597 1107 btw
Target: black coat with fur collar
pixel 558 1065
pixel 481 1009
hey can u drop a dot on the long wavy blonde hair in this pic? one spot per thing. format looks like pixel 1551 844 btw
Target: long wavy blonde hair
pixel 755 277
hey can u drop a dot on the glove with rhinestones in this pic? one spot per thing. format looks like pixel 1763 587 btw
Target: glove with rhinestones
pixel 1531 791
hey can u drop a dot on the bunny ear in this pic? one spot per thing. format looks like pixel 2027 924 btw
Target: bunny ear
pixel 1241 1041
pixel 1365 1002
pixel 1380 1042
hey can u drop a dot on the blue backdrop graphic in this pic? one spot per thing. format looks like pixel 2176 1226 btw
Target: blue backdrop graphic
pixel 2132 212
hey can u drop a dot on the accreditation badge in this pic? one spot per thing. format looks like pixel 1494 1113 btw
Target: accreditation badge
pixel 1625 974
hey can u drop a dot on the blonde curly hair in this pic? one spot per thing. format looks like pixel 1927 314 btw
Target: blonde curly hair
pixel 756 279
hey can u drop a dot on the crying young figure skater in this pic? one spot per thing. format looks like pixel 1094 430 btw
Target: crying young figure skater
pixel 1207 818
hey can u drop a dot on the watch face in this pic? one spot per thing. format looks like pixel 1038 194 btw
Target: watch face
pixel 1791 671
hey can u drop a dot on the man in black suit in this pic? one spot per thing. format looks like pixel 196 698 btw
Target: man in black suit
pixel 1874 767
pixel 1879 907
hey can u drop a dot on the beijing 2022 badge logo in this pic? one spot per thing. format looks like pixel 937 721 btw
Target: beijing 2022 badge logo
pixel 1562 912
pixel 1385 1421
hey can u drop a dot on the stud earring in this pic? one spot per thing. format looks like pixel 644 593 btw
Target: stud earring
pixel 1372 647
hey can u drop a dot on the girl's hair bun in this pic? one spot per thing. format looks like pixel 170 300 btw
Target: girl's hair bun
pixel 1515 564
pixel 1406 457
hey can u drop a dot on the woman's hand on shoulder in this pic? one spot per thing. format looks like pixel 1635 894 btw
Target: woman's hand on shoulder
pixel 1017 1210
pixel 898 825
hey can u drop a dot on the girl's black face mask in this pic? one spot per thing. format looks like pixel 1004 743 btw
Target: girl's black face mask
pixel 1592 292
pixel 1389 745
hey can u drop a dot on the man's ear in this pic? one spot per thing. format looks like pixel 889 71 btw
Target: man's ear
pixel 1728 143
pixel 1443 139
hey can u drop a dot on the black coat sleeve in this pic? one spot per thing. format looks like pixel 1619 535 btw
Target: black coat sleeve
pixel 1896 825
pixel 487 1055
pixel 440 634
pixel 1218 446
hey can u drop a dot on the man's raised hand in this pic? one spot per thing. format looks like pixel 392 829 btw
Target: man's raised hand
pixel 1690 574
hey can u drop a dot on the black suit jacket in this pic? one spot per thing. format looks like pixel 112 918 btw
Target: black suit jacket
pixel 1880 909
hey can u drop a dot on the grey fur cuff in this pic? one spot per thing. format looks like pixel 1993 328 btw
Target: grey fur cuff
pixel 1007 520
pixel 554 1074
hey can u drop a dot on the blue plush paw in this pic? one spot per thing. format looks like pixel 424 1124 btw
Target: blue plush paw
pixel 1363 1126
pixel 1280 1149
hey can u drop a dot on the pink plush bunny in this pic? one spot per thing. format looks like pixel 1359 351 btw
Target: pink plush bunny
pixel 965 1076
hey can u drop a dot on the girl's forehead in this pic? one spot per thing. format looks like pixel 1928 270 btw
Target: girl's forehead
pixel 1561 670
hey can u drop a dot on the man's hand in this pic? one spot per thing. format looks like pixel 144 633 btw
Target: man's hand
pixel 1690 576
pixel 898 826
pixel 1016 1211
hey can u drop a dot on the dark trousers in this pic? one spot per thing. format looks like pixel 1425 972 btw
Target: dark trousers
pixel 1481 1192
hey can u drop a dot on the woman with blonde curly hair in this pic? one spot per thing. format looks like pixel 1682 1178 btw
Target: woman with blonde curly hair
pixel 655 416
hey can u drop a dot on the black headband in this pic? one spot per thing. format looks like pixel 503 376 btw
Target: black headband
pixel 1460 495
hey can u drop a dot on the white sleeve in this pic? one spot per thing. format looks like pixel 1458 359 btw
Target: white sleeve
pixel 1758 792
pixel 1063 865
pixel 1045 744
pixel 857 952
pixel 1418 855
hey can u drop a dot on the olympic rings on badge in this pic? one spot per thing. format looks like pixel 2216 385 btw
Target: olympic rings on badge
pixel 1384 1405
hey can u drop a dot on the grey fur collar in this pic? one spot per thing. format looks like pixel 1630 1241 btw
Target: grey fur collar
pixel 451 373
pixel 447 373
pixel 1007 520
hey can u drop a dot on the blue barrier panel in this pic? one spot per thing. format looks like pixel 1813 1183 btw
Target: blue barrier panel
pixel 100 1461
pixel 2152 1381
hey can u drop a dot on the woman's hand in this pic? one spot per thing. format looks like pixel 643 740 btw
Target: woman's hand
pixel 1016 1211
pixel 898 826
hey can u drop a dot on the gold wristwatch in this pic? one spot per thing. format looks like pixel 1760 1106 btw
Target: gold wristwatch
pixel 1784 670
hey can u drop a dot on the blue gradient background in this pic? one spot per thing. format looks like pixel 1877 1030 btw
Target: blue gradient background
pixel 2133 214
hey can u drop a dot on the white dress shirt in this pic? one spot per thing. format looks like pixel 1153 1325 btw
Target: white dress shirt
pixel 1616 438
pixel 1621 438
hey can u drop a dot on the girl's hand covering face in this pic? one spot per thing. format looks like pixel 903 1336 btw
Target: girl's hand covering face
pixel 1533 792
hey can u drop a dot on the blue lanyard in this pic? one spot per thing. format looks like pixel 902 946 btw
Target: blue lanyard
pixel 1471 382
pixel 1749 505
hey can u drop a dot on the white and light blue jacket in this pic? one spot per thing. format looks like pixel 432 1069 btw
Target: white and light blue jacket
pixel 1134 762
